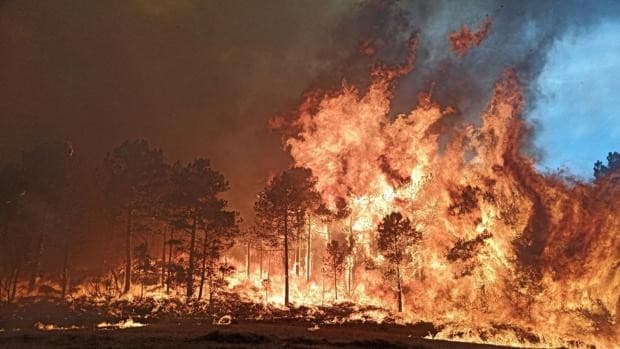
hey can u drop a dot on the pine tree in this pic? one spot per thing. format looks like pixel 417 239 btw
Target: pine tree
pixel 279 207
pixel 395 236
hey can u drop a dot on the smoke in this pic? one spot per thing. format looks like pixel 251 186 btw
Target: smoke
pixel 520 37
pixel 202 78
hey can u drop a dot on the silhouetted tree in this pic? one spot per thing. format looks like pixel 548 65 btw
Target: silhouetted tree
pixel 45 171
pixel 396 235
pixel 134 174
pixel 172 265
pixel 71 223
pixel 280 208
pixel 14 238
pixel 192 201
pixel 145 265
pixel 250 238
pixel 613 165
pixel 333 262
pixel 220 232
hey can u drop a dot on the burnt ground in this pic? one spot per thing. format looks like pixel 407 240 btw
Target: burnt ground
pixel 245 334
pixel 174 324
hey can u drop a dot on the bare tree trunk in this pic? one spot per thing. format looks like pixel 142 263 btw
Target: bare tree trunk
pixel 322 289
pixel 211 274
pixel 308 251
pixel 103 266
pixel 36 263
pixel 15 280
pixel 65 270
pixel 163 258
pixel 268 284
pixel 286 271
pixel 190 269
pixel 116 286
pixel 399 291
pixel 298 252
pixel 204 266
pixel 170 257
pixel 260 260
pixel 351 258
pixel 6 286
pixel 335 283
pixel 247 262
pixel 141 289
pixel 127 285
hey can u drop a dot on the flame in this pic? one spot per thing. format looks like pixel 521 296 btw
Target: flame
pixel 508 256
pixel 51 327
pixel 542 253
pixel 123 324
pixel 464 39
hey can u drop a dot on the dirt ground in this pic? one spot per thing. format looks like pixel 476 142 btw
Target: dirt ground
pixel 246 334
pixel 171 323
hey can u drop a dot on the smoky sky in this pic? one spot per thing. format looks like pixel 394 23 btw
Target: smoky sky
pixel 201 78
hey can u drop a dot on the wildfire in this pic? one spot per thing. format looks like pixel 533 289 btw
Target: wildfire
pixel 504 247
pixel 496 252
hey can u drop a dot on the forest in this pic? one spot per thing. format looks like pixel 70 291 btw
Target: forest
pixel 137 223
pixel 362 174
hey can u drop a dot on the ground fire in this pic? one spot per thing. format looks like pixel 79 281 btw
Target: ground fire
pixel 422 220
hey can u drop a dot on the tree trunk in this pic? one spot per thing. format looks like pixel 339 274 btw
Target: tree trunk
pixel 163 259
pixel 211 286
pixel 308 251
pixel 65 270
pixel 141 289
pixel 286 298
pixel 260 261
pixel 335 284
pixel 204 266
pixel 247 262
pixel 127 285
pixel 399 294
pixel 169 278
pixel 115 276
pixel 15 280
pixel 190 269
pixel 298 252
pixel 351 258
pixel 36 263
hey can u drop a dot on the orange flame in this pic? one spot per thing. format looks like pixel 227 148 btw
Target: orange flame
pixel 504 247
pixel 464 39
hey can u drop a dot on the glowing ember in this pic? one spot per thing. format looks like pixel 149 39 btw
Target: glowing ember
pixel 123 324
pixel 51 327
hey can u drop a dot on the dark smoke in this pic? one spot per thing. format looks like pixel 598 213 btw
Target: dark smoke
pixel 202 78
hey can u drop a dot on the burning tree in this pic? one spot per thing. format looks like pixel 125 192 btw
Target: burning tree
pixel 220 232
pixel 613 165
pixel 396 235
pixel 333 262
pixel 280 208
pixel 145 265
pixel 45 171
pixel 193 203
pixel 15 247
pixel 134 175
